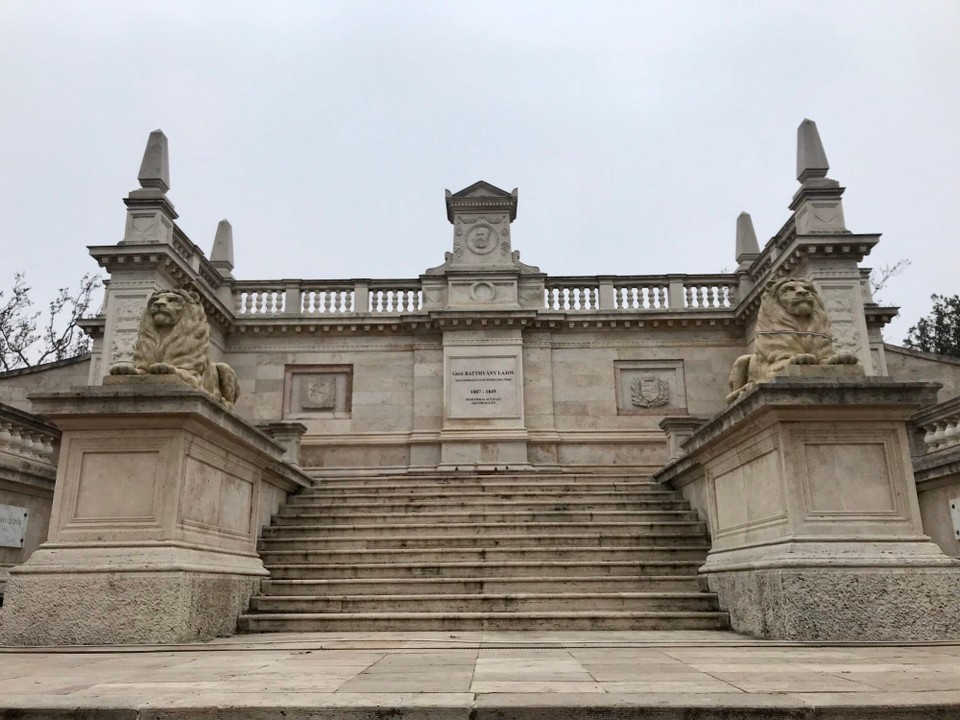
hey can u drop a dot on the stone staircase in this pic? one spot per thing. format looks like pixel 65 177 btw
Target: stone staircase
pixel 498 551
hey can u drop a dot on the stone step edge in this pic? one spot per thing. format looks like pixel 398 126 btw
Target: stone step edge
pixel 508 579
pixel 497 596
pixel 410 526
pixel 531 550
pixel 600 513
pixel 504 563
pixel 478 490
pixel 664 614
pixel 485 538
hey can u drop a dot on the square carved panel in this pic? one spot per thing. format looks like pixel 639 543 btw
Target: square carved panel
pixel 317 391
pixel 650 387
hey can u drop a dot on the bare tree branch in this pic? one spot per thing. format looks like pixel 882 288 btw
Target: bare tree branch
pixel 22 341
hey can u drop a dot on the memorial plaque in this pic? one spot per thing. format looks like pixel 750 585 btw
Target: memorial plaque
pixel 13 525
pixel 483 387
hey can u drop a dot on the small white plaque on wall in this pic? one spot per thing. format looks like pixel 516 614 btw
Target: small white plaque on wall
pixel 13 525
pixel 955 515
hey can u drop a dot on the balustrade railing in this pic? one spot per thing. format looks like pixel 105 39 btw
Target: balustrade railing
pixel 641 294
pixel 651 293
pixel 709 294
pixel 939 425
pixel 25 436
pixel 326 299
pixel 311 298
pixel 571 298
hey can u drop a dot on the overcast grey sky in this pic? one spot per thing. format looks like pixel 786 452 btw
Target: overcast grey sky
pixel 326 132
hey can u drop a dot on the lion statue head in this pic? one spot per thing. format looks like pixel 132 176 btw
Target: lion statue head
pixel 792 329
pixel 792 304
pixel 174 339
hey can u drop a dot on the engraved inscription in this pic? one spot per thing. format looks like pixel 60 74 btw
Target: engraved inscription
pixel 483 387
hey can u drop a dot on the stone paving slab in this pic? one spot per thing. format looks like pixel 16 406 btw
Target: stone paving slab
pixel 485 676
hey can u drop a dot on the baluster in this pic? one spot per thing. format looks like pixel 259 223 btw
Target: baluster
pixel 939 434
pixel 928 437
pixel 661 293
pixel 47 448
pixel 258 303
pixel 952 432
pixel 402 300
pixel 344 301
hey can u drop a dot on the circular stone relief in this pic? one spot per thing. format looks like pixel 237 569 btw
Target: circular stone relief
pixel 482 239
pixel 482 292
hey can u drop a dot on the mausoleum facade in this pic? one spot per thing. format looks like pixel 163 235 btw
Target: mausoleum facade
pixel 835 456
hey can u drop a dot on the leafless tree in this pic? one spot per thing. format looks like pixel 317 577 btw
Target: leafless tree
pixel 27 339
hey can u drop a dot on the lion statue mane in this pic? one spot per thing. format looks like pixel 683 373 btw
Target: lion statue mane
pixel 792 329
pixel 174 339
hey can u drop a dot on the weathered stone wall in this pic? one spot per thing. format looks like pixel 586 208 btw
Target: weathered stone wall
pixel 936 498
pixel 375 399
pixel 16 385
pixel 908 365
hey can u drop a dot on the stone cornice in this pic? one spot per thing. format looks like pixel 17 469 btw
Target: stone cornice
pixel 783 254
pixel 173 262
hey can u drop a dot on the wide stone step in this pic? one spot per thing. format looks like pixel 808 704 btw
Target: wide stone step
pixel 348 516
pixel 527 602
pixel 306 571
pixel 482 554
pixel 559 620
pixel 308 541
pixel 503 585
pixel 510 479
pixel 488 504
pixel 641 489
pixel 479 529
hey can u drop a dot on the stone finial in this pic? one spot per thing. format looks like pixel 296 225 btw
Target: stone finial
pixel 811 157
pixel 155 168
pixel 747 246
pixel 221 256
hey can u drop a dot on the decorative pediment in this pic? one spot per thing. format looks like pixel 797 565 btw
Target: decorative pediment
pixel 481 188
pixel 481 197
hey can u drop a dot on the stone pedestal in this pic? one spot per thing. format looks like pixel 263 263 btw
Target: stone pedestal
pixel 159 498
pixel 807 488
pixel 483 417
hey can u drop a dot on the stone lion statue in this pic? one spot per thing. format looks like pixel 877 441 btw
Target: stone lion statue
pixel 792 329
pixel 174 339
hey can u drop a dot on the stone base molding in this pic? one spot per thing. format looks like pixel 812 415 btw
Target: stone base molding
pixel 159 499
pixel 829 604
pixel 807 489
pixel 117 608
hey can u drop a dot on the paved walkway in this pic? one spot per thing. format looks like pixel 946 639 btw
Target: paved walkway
pixel 479 675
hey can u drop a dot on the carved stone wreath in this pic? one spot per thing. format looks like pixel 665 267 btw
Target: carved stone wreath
pixel 649 392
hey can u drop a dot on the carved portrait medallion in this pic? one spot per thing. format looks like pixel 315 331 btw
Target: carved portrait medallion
pixel 481 239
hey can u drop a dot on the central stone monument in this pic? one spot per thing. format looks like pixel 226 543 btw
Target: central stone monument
pixel 482 297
